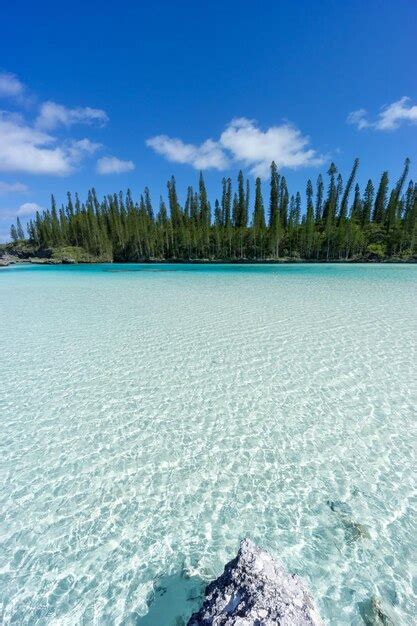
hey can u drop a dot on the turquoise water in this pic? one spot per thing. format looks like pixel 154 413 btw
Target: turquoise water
pixel 151 416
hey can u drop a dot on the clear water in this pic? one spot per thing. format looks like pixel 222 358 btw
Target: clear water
pixel 151 416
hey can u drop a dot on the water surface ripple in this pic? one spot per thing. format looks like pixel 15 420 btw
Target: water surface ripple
pixel 150 419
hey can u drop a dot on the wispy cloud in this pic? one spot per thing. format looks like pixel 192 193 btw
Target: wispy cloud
pixel 244 142
pixel 10 85
pixel 78 149
pixel 24 210
pixel 28 208
pixel 389 118
pixel 208 155
pixel 393 115
pixel 358 118
pixel 113 165
pixel 12 187
pixel 53 115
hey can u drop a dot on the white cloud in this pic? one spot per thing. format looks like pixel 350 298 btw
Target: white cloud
pixel 52 115
pixel 358 118
pixel 30 147
pixel 25 149
pixel 77 150
pixel 208 155
pixel 24 210
pixel 243 141
pixel 12 187
pixel 28 208
pixel 283 144
pixel 10 85
pixel 390 117
pixel 113 165
pixel 397 112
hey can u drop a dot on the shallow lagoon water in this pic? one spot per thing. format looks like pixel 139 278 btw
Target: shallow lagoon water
pixel 153 415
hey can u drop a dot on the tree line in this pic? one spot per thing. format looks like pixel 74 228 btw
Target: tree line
pixel 334 221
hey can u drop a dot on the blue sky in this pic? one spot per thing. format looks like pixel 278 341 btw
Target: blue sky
pixel 117 95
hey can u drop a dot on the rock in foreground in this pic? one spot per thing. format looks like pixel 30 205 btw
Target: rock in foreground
pixel 255 590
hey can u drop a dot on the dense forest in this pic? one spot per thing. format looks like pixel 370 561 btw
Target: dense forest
pixel 334 221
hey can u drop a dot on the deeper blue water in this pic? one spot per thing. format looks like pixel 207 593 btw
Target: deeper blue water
pixel 153 415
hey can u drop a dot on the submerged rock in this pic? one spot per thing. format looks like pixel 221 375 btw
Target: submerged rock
pixel 338 506
pixel 353 530
pixel 375 613
pixel 255 590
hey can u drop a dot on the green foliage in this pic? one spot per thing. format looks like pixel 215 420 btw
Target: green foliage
pixel 328 225
pixel 376 249
pixel 13 233
pixel 75 254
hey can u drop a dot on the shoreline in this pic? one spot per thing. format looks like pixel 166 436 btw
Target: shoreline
pixel 22 254
pixel 231 263
pixel 363 261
